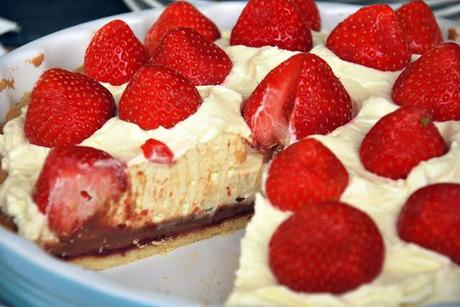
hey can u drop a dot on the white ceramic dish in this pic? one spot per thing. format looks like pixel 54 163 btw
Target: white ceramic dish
pixel 197 274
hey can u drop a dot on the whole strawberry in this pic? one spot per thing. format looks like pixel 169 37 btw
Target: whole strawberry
pixel 371 37
pixel 157 96
pixel 75 183
pixel 65 108
pixel 301 96
pixel 187 52
pixel 432 82
pixel 114 54
pixel 419 25
pixel 431 218
pixel 326 247
pixel 322 103
pixel 305 173
pixel 399 141
pixel 278 23
pixel 311 13
pixel 177 15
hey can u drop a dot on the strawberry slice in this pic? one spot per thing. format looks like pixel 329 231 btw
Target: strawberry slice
pixel 311 13
pixel 304 173
pixel 65 108
pixel 177 15
pixel 326 247
pixel 157 152
pixel 157 96
pixel 431 218
pixel 419 25
pixel 187 52
pixel 74 184
pixel 371 37
pixel 432 82
pixel 399 141
pixel 114 54
pixel 302 95
pixel 278 23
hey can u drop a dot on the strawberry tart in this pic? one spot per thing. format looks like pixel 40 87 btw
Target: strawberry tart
pixel 347 141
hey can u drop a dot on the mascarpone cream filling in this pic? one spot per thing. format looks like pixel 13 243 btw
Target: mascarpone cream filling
pixel 411 274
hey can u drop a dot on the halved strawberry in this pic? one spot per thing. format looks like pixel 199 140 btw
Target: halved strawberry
pixel 399 141
pixel 268 109
pixel 419 26
pixel 272 22
pixel 310 10
pixel 65 108
pixel 305 173
pixel 187 52
pixel 326 247
pixel 432 82
pixel 157 152
pixel 176 15
pixel 157 96
pixel 74 184
pixel 371 37
pixel 302 95
pixel 114 54
pixel 431 218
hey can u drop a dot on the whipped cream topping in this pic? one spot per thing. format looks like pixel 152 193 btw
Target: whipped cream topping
pixel 411 274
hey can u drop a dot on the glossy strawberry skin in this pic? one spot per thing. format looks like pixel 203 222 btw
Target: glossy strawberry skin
pixel 431 218
pixel 304 173
pixel 322 103
pixel 114 54
pixel 302 96
pixel 310 10
pixel 419 25
pixel 65 108
pixel 399 141
pixel 157 152
pixel 272 22
pixel 371 37
pixel 74 184
pixel 327 247
pixel 177 15
pixel 157 96
pixel 187 52
pixel 432 82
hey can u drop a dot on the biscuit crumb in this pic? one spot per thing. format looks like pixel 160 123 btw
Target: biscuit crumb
pixel 6 84
pixel 452 34
pixel 36 61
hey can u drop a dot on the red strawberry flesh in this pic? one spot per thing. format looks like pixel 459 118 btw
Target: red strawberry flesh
pixel 399 141
pixel 187 52
pixel 114 54
pixel 74 184
pixel 310 10
pixel 305 173
pixel 327 247
pixel 65 108
pixel 371 37
pixel 431 218
pixel 157 152
pixel 178 15
pixel 157 96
